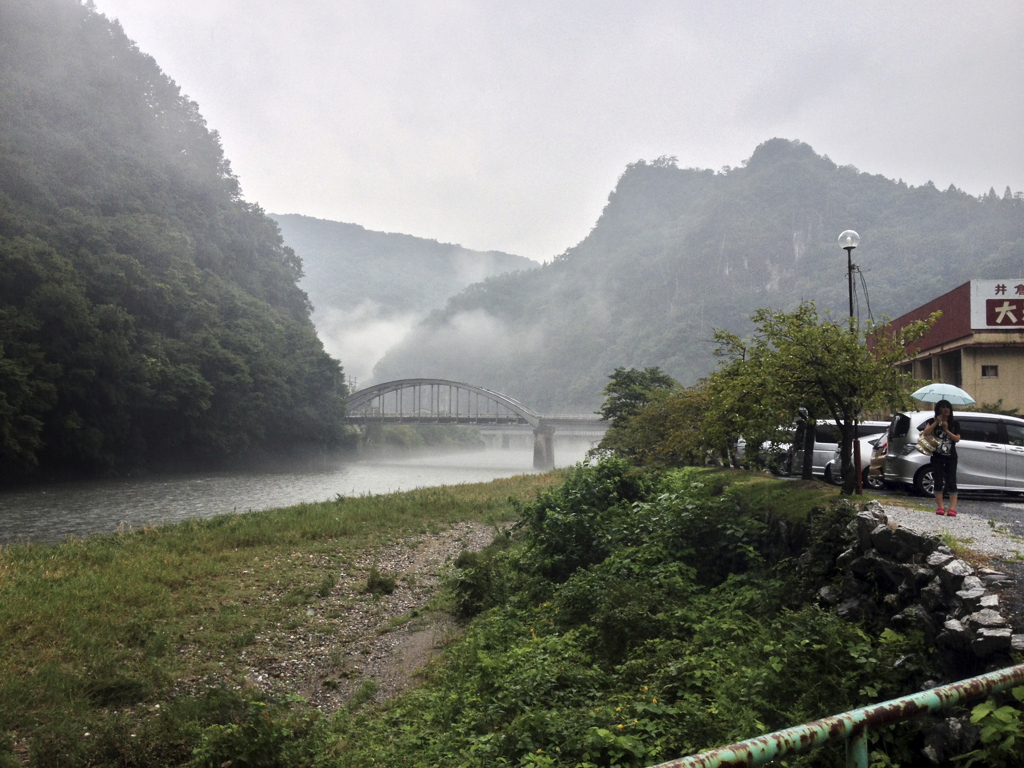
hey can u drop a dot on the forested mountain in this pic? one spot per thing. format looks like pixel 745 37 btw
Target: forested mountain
pixel 147 311
pixel 677 253
pixel 368 288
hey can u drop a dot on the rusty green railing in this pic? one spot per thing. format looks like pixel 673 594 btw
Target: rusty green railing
pixel 851 726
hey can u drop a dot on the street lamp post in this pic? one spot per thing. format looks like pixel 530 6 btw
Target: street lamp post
pixel 849 240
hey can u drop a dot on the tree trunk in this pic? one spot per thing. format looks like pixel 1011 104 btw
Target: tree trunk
pixel 810 434
pixel 848 427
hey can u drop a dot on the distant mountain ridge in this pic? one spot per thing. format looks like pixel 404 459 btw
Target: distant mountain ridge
pixel 345 264
pixel 678 252
pixel 369 288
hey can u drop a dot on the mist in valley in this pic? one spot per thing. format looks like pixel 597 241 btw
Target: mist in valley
pixel 154 312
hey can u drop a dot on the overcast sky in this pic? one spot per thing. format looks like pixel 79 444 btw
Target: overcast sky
pixel 504 125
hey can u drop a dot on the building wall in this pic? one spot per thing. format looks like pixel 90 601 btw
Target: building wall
pixel 1009 386
pixel 953 353
pixel 954 323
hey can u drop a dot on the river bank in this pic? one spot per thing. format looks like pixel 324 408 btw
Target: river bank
pixel 49 513
pixel 126 634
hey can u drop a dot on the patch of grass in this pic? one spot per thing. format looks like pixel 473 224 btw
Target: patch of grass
pixel 789 499
pixel 960 547
pixel 244 639
pixel 300 595
pixel 398 621
pixel 327 584
pixel 362 695
pixel 378 583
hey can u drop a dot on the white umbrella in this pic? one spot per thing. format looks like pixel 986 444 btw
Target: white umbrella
pixel 935 392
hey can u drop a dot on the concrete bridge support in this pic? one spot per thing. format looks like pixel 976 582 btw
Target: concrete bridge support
pixel 544 447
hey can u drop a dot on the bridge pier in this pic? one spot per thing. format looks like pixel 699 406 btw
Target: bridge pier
pixel 544 447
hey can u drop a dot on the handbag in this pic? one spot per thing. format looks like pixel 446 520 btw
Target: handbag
pixel 927 444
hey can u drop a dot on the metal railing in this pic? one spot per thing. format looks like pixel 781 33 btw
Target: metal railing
pixel 852 726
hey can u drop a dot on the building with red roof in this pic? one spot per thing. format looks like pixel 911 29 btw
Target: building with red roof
pixel 978 342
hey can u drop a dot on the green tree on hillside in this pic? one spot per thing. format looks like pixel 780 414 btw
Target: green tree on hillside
pixel 148 313
pixel 800 359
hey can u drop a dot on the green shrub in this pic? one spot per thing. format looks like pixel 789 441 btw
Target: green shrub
pixel 484 579
pixel 378 583
pixel 828 537
pixel 1002 732
pixel 637 620
pixel 570 526
pixel 261 739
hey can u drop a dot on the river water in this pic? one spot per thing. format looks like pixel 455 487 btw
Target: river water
pixel 50 513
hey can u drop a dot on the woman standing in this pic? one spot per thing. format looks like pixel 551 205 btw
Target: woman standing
pixel 947 430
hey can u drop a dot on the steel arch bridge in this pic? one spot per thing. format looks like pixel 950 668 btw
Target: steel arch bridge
pixel 436 401
pixel 439 401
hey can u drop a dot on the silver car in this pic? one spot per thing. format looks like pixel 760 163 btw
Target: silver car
pixel 990 453
pixel 834 469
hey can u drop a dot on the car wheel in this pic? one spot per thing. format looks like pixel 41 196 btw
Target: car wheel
pixel 832 477
pixel 780 466
pixel 924 482
pixel 873 482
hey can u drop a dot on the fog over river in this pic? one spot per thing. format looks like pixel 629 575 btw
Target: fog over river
pixel 49 513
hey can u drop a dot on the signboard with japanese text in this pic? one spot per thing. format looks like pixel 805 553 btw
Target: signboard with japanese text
pixel 997 303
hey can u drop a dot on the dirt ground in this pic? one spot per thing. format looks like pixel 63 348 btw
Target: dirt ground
pixel 358 642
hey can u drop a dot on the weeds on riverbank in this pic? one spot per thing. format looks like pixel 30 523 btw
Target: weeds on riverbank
pixel 634 618
pixel 106 645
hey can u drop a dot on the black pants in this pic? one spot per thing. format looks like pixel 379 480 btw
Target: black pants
pixel 944 474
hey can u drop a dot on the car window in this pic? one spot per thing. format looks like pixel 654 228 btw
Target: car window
pixel 980 431
pixel 827 433
pixel 900 425
pixel 1014 434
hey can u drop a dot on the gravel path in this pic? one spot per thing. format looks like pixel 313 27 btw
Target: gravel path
pixel 977 532
pixel 992 542
pixel 358 641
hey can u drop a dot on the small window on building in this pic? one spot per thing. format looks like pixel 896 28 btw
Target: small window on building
pixel 990 371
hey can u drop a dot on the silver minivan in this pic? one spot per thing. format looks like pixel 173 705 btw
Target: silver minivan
pixel 990 453
pixel 826 440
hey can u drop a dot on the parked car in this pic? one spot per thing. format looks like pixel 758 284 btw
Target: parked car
pixel 826 440
pixel 990 453
pixel 876 467
pixel 834 468
pixel 776 455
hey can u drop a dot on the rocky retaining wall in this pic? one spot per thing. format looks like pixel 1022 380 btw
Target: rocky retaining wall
pixel 923 585
pixel 912 581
